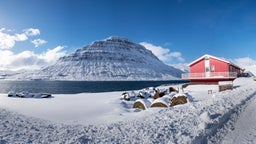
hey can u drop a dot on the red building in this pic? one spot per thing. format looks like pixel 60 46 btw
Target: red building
pixel 210 70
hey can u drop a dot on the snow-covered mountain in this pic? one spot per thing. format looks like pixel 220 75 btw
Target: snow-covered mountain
pixel 114 58
pixel 181 66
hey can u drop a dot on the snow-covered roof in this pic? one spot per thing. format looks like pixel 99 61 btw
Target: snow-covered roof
pixel 210 56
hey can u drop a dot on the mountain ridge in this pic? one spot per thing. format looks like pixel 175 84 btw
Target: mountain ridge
pixel 114 58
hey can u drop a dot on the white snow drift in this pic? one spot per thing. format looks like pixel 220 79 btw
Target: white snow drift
pixel 104 118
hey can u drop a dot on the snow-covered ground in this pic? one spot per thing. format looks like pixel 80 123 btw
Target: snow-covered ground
pixel 220 117
pixel 244 130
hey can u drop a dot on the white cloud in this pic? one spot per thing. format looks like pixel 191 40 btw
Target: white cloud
pixel 247 63
pixel 53 55
pixel 32 32
pixel 182 66
pixel 38 42
pixel 2 29
pixel 164 54
pixel 5 57
pixel 20 37
pixel 8 41
pixel 29 59
pixel 167 44
pixel 26 59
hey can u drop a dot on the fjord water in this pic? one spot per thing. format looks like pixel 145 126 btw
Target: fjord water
pixel 73 87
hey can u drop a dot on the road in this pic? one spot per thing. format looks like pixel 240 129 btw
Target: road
pixel 244 131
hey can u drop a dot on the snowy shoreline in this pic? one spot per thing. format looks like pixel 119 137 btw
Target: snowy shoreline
pixel 105 119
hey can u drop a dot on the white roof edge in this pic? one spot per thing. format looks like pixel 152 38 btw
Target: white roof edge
pixel 207 55
pixel 198 59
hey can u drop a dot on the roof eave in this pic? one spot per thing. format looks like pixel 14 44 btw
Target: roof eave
pixel 207 55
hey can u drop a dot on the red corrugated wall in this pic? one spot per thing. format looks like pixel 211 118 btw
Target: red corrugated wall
pixel 198 67
pixel 220 66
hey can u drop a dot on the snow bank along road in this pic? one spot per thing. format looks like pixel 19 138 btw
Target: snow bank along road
pixel 244 130
pixel 202 120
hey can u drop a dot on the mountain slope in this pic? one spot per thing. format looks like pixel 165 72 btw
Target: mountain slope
pixel 114 58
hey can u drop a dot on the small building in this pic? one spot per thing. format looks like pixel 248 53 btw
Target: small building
pixel 211 70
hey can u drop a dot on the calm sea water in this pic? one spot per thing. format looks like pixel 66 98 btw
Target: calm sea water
pixel 72 87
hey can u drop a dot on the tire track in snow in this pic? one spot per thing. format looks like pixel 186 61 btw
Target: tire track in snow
pixel 244 128
pixel 229 120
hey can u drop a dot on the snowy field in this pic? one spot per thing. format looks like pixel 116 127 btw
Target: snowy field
pixel 220 117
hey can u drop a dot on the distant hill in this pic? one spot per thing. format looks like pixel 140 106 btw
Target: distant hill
pixel 114 58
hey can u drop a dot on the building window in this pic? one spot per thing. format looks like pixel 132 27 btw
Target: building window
pixel 231 69
pixel 212 68
pixel 207 69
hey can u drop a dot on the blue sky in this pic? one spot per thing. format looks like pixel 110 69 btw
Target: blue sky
pixel 37 32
